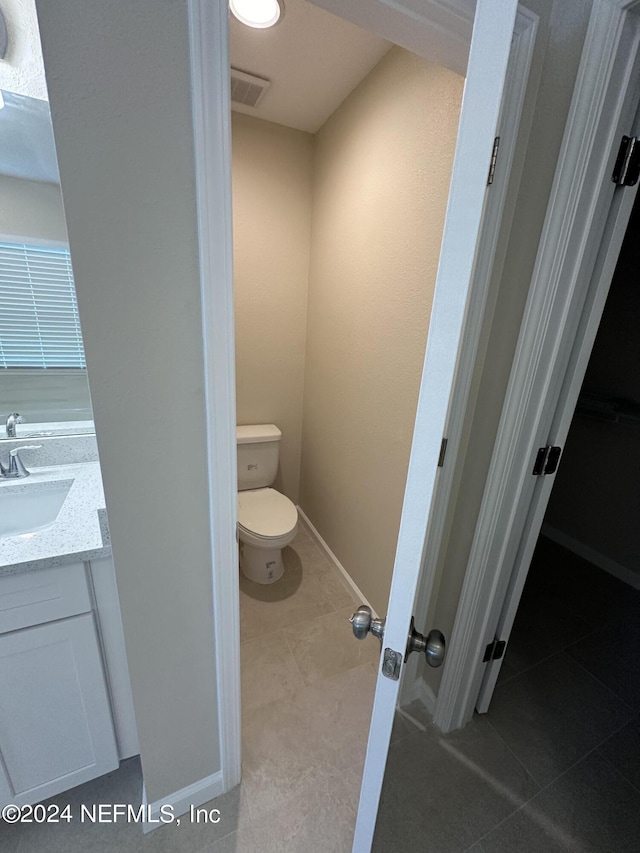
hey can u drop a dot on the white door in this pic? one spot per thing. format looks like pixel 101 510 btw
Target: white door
pixel 490 45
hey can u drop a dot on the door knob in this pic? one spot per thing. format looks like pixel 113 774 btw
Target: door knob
pixel 363 623
pixel 433 645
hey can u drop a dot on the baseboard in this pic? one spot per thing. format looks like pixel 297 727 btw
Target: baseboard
pixel 336 562
pixel 618 571
pixel 180 802
pixel 420 690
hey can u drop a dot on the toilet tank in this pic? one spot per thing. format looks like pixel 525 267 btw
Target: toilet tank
pixel 258 454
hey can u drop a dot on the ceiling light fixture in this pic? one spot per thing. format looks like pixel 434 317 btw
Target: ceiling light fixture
pixel 259 14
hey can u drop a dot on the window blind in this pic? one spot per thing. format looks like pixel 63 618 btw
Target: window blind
pixel 39 322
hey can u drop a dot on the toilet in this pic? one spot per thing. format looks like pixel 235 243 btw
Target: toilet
pixel 267 520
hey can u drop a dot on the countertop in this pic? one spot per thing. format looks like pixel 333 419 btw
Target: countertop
pixel 80 531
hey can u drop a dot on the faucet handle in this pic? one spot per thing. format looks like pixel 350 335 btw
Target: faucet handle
pixel 16 467
pixel 13 419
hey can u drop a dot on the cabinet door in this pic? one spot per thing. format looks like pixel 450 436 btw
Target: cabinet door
pixel 56 729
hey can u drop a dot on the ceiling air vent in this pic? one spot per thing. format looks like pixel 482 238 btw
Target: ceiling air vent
pixel 247 89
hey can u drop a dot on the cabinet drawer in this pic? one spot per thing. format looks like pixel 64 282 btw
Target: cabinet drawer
pixel 32 598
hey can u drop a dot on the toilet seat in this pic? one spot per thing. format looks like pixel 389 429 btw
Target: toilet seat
pixel 265 515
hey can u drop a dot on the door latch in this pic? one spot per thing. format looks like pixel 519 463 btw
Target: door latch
pixel 433 645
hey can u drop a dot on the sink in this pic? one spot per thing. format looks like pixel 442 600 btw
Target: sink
pixel 31 507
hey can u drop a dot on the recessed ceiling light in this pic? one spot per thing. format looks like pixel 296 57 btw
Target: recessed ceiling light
pixel 257 13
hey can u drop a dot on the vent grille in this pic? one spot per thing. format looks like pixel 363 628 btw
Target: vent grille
pixel 247 89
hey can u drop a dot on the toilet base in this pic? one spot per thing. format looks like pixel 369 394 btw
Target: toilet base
pixel 260 565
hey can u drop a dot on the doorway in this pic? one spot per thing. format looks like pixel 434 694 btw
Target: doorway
pixel 589 524
pixel 567 700
pixel 554 762
pixel 336 249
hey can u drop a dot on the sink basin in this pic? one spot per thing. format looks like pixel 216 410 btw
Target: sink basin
pixel 31 507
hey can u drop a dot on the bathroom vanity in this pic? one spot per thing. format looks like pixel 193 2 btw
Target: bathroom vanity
pixel 66 713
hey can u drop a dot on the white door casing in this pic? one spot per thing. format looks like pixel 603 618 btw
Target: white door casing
pixel 584 341
pixel 488 264
pixel 486 73
pixel 211 104
pixel 603 106
pixel 211 116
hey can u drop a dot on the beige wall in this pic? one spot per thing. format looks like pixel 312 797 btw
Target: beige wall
pixel 121 107
pixel 382 170
pixel 561 33
pixel 272 182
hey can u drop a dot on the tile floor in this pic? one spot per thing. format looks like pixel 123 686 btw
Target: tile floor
pixel 554 765
pixel 307 693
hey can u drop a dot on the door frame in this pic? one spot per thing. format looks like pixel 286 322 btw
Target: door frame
pixel 208 32
pixel 487 267
pixel 544 379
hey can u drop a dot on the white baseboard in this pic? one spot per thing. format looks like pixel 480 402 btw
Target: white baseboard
pixel 619 571
pixel 419 689
pixel 197 794
pixel 336 562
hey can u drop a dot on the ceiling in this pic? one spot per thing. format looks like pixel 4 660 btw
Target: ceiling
pixel 312 58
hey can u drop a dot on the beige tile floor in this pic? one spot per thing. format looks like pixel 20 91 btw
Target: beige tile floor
pixel 307 694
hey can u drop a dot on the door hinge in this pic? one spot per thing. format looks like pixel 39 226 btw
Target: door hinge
pixel 494 157
pixel 443 452
pixel 627 167
pixel 494 650
pixel 547 460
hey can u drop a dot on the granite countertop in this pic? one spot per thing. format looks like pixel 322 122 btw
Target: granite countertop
pixel 80 531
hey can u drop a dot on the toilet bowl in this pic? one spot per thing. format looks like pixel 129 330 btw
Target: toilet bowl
pixel 267 523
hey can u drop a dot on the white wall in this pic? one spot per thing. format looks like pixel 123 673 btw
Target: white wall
pixel 21 70
pixel 32 211
pixel 119 82
pixel 272 182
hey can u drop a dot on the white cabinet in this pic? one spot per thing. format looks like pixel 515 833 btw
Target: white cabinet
pixel 56 728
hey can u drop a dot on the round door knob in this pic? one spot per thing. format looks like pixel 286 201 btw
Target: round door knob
pixel 435 647
pixel 361 621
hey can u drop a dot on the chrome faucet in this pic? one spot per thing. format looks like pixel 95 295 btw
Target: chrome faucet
pixel 12 420
pixel 16 469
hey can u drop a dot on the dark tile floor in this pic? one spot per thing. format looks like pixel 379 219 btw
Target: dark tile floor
pixel 555 764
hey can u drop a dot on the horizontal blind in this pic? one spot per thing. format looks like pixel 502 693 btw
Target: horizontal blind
pixel 39 322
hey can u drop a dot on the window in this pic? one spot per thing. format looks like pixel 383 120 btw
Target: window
pixel 39 322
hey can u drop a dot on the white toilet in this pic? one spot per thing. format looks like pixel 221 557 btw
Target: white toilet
pixel 267 520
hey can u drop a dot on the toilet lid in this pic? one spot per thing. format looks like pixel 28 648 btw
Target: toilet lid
pixel 266 512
